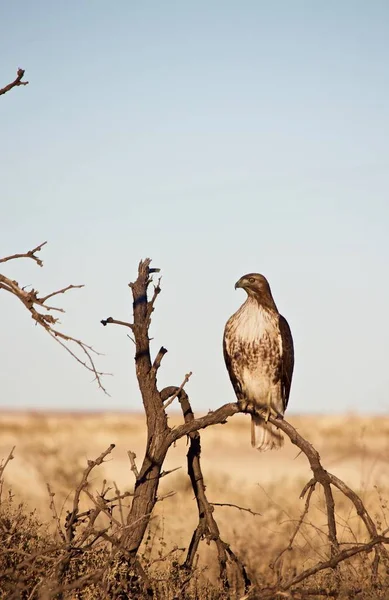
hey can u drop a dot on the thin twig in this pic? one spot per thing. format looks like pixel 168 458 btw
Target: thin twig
pixel 30 254
pixel 157 290
pixel 297 529
pixel 101 504
pixel 165 556
pixel 174 396
pixel 119 498
pixel 55 513
pixel 39 310
pixel 65 289
pixel 335 560
pixel 164 473
pixel 242 508
pixel 165 496
pixel 88 350
pixel 3 465
pixel 73 516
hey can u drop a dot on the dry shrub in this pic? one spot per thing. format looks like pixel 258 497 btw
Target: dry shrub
pixel 32 550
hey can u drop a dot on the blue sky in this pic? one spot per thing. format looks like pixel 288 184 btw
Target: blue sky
pixel 218 138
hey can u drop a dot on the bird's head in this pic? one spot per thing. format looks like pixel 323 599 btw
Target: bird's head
pixel 257 287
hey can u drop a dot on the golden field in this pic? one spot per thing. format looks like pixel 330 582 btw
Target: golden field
pixel 54 448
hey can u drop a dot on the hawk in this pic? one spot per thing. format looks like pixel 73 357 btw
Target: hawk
pixel 259 356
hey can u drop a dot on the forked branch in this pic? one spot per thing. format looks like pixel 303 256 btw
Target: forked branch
pixel 40 311
pixel 207 527
pixel 326 480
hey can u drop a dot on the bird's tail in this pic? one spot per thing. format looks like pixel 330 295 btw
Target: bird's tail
pixel 265 436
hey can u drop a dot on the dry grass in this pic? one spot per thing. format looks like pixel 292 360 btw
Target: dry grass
pixel 54 448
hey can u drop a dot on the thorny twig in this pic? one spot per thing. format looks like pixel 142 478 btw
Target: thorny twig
pixel 73 515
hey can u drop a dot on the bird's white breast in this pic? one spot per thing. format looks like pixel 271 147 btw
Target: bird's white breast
pixel 252 322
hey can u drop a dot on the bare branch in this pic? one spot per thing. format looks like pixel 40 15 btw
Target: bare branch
pixel 336 559
pixel 242 508
pixel 16 83
pixel 73 516
pixel 215 417
pixel 55 513
pixel 112 321
pixel 134 468
pixel 164 473
pixel 158 359
pixel 9 457
pixel 207 526
pixel 39 310
pixel 119 498
pixel 101 504
pixel 147 479
pixel 65 289
pixel 300 522
pixel 325 479
pixel 174 396
pixel 30 254
pixel 88 350
pixel 165 496
pixel 163 558
pixel 157 290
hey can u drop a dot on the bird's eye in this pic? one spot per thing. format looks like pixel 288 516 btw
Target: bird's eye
pixel 251 279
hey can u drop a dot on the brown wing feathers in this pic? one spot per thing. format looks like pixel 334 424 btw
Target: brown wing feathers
pixel 287 359
pixel 235 383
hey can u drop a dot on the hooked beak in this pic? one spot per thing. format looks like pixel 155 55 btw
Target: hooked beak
pixel 238 284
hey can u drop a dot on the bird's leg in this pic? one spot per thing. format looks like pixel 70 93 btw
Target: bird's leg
pixel 268 409
pixel 244 405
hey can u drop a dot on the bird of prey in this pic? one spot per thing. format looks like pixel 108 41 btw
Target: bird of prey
pixel 259 355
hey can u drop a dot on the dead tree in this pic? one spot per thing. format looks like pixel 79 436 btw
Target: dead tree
pixel 81 530
pixel 160 437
